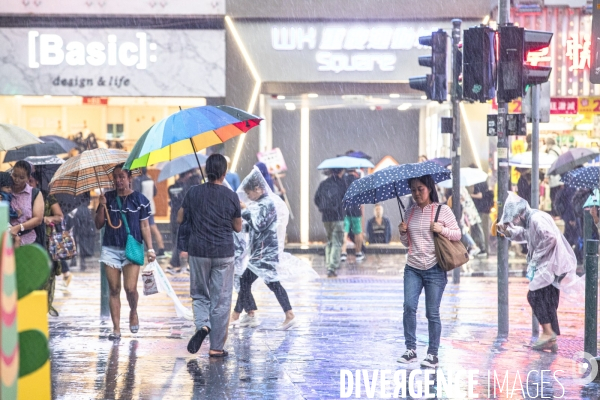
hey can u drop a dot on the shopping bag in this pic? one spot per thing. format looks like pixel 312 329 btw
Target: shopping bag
pixel 149 283
pixel 61 245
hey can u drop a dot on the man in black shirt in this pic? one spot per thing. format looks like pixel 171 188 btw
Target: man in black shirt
pixel 328 199
pixel 213 213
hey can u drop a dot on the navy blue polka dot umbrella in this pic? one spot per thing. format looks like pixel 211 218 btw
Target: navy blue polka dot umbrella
pixel 583 178
pixel 392 182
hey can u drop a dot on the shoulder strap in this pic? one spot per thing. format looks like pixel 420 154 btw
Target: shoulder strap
pixel 34 194
pixel 123 218
pixel 437 213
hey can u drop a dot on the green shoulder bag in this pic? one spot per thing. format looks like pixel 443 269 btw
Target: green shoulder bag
pixel 134 250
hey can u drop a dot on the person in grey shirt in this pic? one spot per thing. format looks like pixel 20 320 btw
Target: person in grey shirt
pixel 213 213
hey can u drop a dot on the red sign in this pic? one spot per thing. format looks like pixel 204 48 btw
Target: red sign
pixel 95 101
pixel 564 105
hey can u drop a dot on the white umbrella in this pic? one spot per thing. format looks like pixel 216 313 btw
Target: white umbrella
pixel 468 177
pixel 524 160
pixel 12 136
pixel 345 162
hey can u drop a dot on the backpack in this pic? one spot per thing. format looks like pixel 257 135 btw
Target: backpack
pixel 329 196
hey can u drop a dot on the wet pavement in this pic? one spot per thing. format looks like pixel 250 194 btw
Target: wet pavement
pixel 348 323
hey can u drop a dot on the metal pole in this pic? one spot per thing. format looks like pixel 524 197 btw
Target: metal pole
pixel 455 98
pixel 590 341
pixel 503 177
pixel 535 169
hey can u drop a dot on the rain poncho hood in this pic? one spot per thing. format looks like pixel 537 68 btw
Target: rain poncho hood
pixel 550 258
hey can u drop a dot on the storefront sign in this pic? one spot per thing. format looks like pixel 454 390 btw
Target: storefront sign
pixel 589 105
pixel 337 52
pixel 95 101
pixel 563 105
pixel 114 7
pixel 112 62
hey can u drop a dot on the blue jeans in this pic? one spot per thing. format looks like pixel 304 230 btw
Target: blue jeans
pixel 434 281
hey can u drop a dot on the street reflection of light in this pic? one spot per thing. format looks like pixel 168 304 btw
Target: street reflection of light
pixel 463 113
pixel 290 106
pixel 304 174
pixel 281 97
pixel 394 95
pixel 255 92
pixel 312 95
pixel 404 106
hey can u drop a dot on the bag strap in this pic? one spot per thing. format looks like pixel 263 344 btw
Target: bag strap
pixel 437 213
pixel 123 218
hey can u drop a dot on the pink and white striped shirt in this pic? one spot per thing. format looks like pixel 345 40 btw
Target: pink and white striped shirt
pixel 419 237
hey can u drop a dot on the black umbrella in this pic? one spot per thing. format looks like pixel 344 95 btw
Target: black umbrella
pixel 52 145
pixel 572 159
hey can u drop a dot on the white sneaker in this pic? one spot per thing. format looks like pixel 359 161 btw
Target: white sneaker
pixel 408 357
pixel 285 327
pixel 474 251
pixel 360 257
pixel 249 322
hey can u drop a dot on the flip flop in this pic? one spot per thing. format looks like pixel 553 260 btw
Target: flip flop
pixel 219 355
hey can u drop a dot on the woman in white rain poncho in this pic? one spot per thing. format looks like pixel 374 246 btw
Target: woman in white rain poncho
pixel 551 263
pixel 260 210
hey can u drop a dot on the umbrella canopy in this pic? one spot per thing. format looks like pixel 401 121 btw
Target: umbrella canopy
pixel 468 177
pixel 91 169
pixel 44 169
pixel 345 162
pixel 583 178
pixel 524 160
pixel 359 154
pixel 443 161
pixel 44 160
pixel 391 182
pixel 593 200
pixel 187 132
pixel 12 137
pixel 573 158
pixel 50 146
pixel 179 165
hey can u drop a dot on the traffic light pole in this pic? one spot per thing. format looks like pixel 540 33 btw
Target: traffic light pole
pixel 535 169
pixel 455 98
pixel 503 177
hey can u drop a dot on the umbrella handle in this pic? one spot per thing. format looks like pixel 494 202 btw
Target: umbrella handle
pixel 197 159
pixel 400 204
pixel 106 215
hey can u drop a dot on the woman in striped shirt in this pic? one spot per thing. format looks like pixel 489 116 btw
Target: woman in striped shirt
pixel 422 269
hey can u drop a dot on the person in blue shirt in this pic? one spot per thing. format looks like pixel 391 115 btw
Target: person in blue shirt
pixel 113 208
pixel 379 229
pixel 6 183
pixel 232 178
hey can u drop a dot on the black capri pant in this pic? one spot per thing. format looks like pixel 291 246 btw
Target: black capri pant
pixel 544 303
pixel 245 300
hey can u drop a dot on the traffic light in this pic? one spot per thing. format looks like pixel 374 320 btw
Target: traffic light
pixel 479 64
pixel 514 77
pixel 434 85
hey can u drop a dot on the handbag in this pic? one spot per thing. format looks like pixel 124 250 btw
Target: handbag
pixel 61 245
pixel 134 250
pixel 449 254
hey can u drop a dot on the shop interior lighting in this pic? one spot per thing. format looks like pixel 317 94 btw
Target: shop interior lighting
pixel 255 92
pixel 304 174
pixel 463 113
pixel 290 106
pixel 423 97
pixel 486 20
pixel 312 95
pixel 47 96
pixel 281 97
pixel 404 106
pixel 394 95
pixel 585 127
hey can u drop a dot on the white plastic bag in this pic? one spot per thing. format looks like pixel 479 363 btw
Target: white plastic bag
pixel 164 286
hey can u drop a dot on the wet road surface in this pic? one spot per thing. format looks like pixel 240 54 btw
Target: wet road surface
pixel 351 322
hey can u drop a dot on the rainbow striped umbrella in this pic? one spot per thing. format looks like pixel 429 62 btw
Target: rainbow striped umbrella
pixel 187 132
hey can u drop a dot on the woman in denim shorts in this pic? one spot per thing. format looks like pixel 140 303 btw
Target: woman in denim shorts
pixel 136 208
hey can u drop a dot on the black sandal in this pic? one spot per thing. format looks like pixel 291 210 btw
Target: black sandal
pixel 114 336
pixel 223 354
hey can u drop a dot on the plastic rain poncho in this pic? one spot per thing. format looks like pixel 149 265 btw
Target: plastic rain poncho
pixel 550 258
pixel 267 218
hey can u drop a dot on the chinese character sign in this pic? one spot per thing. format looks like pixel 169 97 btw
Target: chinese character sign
pixel 563 105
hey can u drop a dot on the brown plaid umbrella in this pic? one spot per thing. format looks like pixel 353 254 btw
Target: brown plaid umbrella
pixel 90 170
